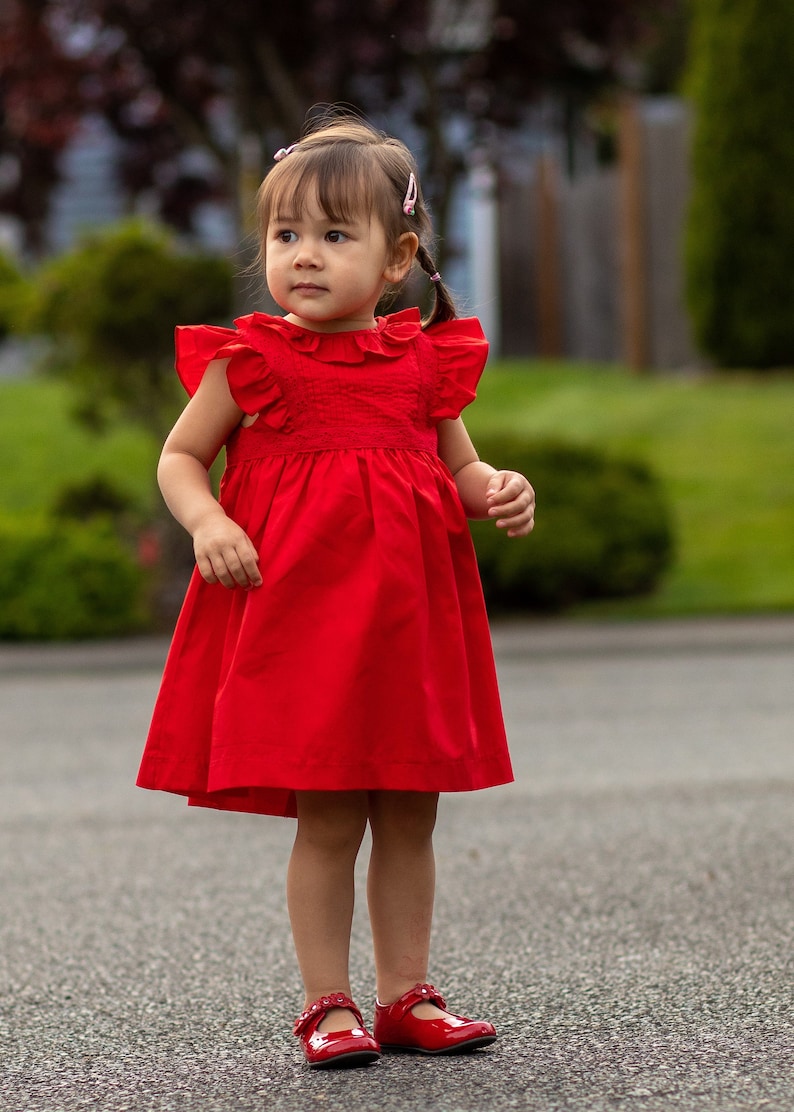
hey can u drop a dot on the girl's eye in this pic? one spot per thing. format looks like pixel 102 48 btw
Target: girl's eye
pixel 286 237
pixel 336 237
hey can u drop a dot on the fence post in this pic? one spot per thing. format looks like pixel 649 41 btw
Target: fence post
pixel 633 236
pixel 547 256
pixel 484 252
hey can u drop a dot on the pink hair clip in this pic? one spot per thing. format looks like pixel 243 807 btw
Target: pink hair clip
pixel 435 277
pixel 411 195
pixel 282 152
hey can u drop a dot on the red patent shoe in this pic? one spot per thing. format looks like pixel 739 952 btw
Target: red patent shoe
pixel 355 1047
pixel 397 1028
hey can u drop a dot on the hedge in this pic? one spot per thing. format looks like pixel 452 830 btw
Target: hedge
pixel 65 580
pixel 603 529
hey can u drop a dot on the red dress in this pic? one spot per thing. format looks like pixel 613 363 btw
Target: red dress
pixel 364 660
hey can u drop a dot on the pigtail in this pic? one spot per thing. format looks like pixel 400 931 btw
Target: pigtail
pixel 443 305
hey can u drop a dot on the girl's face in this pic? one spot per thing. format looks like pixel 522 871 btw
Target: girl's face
pixel 328 276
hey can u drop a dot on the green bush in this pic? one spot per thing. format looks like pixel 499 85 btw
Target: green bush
pixel 96 496
pixel 12 290
pixel 603 529
pixel 111 305
pixel 63 581
pixel 740 233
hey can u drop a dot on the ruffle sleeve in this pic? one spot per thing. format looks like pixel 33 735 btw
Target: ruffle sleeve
pixel 251 381
pixel 462 351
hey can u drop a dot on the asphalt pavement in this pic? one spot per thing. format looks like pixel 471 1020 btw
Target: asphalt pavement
pixel 624 912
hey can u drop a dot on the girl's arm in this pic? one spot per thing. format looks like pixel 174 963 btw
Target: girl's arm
pixel 485 492
pixel 224 553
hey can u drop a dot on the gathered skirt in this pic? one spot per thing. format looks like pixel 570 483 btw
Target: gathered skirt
pixel 362 662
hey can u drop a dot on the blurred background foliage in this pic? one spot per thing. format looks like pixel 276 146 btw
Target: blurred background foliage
pixel 110 306
pixel 663 495
pixel 236 80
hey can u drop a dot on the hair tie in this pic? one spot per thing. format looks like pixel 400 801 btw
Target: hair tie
pixel 282 152
pixel 435 277
pixel 411 195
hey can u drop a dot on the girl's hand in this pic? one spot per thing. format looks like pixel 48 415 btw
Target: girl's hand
pixel 511 500
pixel 224 552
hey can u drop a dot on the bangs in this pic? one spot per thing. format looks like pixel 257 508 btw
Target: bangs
pixel 343 187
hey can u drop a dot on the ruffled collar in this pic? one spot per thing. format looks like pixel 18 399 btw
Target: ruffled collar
pixel 388 340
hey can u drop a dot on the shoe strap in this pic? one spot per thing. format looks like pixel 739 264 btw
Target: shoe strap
pixel 316 1012
pixel 421 993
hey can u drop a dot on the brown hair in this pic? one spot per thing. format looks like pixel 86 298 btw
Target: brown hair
pixel 354 168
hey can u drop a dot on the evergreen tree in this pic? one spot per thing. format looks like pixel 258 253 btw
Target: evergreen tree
pixel 740 235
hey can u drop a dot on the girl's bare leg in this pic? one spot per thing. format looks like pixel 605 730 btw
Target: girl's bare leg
pixel 401 890
pixel 320 893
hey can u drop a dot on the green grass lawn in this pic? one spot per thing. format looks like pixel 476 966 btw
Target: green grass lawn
pixel 42 449
pixel 722 445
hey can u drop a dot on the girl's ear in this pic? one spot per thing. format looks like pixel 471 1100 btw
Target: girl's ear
pixel 402 257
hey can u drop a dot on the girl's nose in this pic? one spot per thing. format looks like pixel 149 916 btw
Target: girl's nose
pixel 306 256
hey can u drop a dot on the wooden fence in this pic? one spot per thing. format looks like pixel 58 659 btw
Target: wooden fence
pixel 591 267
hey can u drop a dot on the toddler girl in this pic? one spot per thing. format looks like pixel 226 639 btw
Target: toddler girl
pixel 332 661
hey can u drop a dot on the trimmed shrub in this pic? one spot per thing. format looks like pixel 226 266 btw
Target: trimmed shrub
pixel 64 581
pixel 603 529
pixel 96 496
pixel 112 303
pixel 740 233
